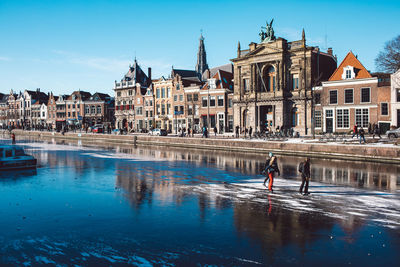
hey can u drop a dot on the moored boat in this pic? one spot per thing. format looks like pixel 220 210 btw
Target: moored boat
pixel 14 158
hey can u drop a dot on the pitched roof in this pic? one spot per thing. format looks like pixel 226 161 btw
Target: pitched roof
pixel 84 95
pixel 223 80
pixel 213 71
pixel 184 73
pixel 135 73
pixel 99 96
pixel 350 60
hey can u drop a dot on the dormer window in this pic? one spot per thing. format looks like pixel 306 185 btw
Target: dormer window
pixel 348 73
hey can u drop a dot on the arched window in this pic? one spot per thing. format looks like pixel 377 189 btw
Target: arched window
pixel 269 79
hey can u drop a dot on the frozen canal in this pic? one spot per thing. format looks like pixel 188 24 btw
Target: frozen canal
pixel 115 206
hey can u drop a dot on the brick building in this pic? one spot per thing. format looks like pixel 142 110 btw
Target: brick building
pixel 353 96
pixel 395 98
pixel 51 111
pixel 98 110
pixel 75 108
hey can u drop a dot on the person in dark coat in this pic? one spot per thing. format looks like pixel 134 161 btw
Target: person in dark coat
pixel 271 166
pixel 376 131
pixel 237 131
pixel 250 131
pixel 361 133
pixel 305 176
pixel 215 130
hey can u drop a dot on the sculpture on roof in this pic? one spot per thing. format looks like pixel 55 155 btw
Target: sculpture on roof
pixel 267 35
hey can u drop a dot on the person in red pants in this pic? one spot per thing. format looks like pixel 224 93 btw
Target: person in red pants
pixel 271 166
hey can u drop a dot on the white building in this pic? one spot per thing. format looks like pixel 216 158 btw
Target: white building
pixel 395 98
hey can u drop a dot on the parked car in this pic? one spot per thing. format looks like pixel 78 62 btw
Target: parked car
pixel 395 133
pixel 98 128
pixel 158 132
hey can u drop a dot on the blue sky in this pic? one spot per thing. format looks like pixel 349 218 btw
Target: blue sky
pixel 62 46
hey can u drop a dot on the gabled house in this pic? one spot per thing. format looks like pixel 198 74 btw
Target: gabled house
pixel 395 98
pixel 352 96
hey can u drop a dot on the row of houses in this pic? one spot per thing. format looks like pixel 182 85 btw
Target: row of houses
pixel 274 83
pixel 36 109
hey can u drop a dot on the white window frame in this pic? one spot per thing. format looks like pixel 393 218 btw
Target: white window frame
pixel 362 124
pixel 387 109
pixel 343 116
pixel 344 95
pixel 320 116
pixel 337 96
pixel 369 95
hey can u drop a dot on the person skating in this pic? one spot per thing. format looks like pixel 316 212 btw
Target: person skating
pixel 271 166
pixel 304 169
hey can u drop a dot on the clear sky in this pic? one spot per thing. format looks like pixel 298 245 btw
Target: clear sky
pixel 62 46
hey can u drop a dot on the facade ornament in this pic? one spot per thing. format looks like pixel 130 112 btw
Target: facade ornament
pixel 267 35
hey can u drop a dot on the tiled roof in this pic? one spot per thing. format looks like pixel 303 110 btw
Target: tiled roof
pixel 350 60
pixel 135 73
pixel 184 73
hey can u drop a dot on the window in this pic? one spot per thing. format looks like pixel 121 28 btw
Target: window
pixel 398 95
pixel 246 85
pixel 130 92
pixel 317 98
pixel 212 101
pixel 342 118
pixel 195 97
pixel 348 96
pixel 87 110
pixel 318 119
pixel 384 109
pixel 220 101
pixel 158 109
pixel 189 97
pixel 175 97
pixel 139 111
pixel 77 106
pixel 333 97
pixel 158 93
pixel 163 92
pixel 295 80
pixel 204 101
pixel 365 95
pixel 162 109
pixel 230 103
pixel 147 113
pixel 348 74
pixel 362 117
pixel 178 87
pixel 118 93
pixel 151 102
pixel 168 92
pixel 99 109
pixel 180 97
pixel 168 108
pixel 190 110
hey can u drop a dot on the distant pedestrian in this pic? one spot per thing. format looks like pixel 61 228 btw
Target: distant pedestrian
pixel 304 169
pixel 361 133
pixel 215 130
pixel 237 131
pixel 13 138
pixel 370 128
pixel 245 131
pixel 271 166
pixel 376 131
pixel 355 131
pixel 250 131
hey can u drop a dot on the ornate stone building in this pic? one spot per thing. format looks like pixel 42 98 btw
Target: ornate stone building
pixel 273 81
pixel 133 85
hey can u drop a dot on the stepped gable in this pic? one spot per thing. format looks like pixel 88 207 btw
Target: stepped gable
pixel 350 60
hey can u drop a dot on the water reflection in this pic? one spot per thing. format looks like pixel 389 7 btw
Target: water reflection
pixel 218 220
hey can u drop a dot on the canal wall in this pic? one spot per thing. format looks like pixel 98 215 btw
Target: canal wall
pixel 328 150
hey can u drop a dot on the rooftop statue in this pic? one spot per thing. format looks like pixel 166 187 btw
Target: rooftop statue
pixel 268 35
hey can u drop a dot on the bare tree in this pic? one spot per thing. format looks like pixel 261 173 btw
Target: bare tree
pixel 389 59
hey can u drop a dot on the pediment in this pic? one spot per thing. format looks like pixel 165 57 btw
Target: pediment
pixel 264 49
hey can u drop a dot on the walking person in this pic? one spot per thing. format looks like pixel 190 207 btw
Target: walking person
pixel 215 130
pixel 237 131
pixel 250 131
pixel 361 133
pixel 376 131
pixel 355 131
pixel 271 166
pixel 13 138
pixel 304 169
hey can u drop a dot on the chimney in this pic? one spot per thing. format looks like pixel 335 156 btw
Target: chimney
pixel 330 51
pixel 149 73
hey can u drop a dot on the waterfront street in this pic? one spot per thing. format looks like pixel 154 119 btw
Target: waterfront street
pixel 103 205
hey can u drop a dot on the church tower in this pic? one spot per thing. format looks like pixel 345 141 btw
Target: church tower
pixel 201 65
